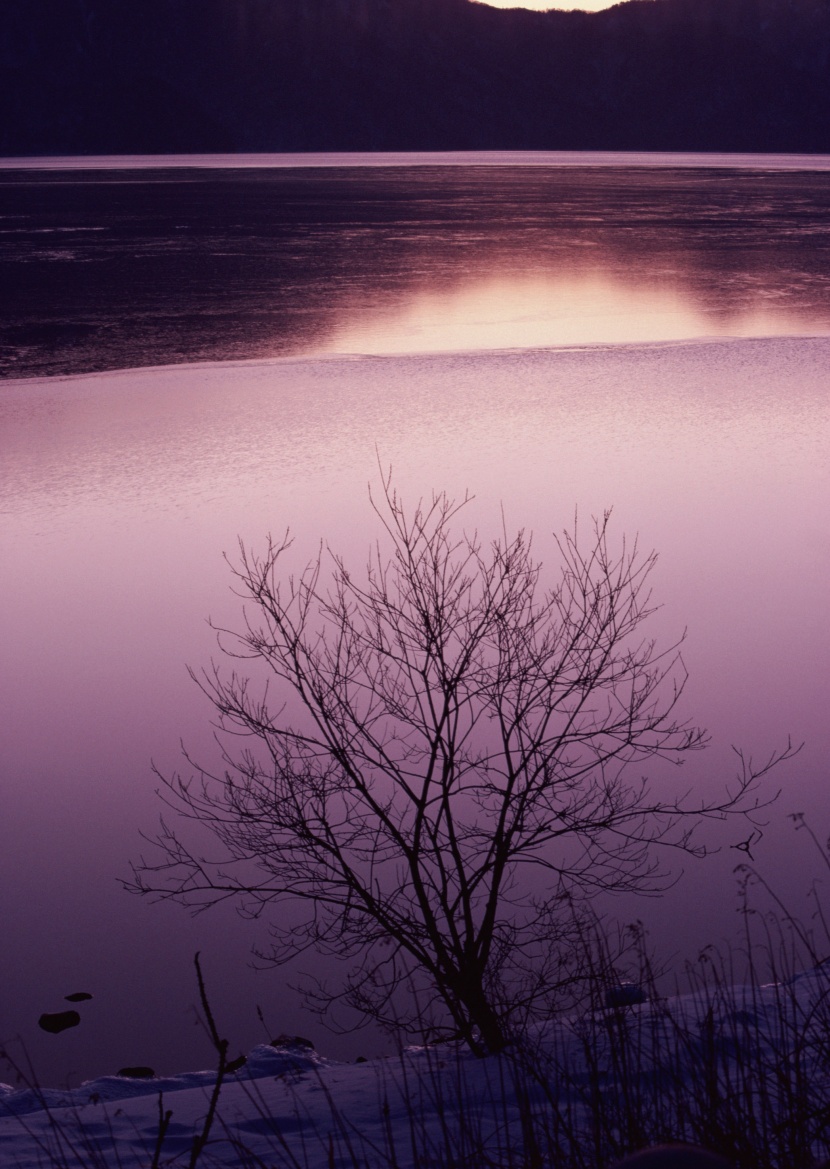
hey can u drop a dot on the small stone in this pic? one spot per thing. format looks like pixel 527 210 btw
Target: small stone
pixel 744 1018
pixel 80 996
pixel 58 1021
pixel 674 1157
pixel 137 1073
pixel 292 1041
pixel 627 994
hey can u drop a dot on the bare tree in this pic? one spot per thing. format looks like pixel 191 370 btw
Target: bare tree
pixel 459 768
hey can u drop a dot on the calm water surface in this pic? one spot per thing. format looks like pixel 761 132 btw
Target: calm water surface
pixel 120 492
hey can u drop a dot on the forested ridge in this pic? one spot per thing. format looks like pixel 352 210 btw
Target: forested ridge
pixel 81 76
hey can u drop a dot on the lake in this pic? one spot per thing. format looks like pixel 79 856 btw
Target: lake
pixel 197 352
pixel 111 269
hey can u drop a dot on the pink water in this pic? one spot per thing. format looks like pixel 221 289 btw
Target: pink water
pixel 120 492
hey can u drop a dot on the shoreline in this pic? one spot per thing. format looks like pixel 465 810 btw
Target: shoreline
pixel 697 160
pixel 304 360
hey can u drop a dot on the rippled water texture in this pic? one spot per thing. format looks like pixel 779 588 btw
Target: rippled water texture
pixel 134 267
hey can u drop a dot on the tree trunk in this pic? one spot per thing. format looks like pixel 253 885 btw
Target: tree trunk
pixel 483 1029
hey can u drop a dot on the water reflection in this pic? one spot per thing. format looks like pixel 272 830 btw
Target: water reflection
pixel 128 268
pixel 541 310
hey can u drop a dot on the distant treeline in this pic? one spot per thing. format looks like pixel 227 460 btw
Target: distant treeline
pixel 82 76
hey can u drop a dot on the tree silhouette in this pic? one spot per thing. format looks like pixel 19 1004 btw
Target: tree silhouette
pixel 452 769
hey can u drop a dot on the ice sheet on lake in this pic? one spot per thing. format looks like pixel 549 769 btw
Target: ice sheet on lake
pixel 536 158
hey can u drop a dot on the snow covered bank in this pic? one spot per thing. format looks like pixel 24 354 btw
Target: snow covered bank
pixel 742 1070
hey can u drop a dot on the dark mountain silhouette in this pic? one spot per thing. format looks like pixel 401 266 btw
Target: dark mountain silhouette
pixel 81 76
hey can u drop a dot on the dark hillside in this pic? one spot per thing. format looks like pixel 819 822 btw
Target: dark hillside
pixel 89 76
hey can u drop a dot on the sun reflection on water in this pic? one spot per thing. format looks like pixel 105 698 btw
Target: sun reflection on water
pixel 541 310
